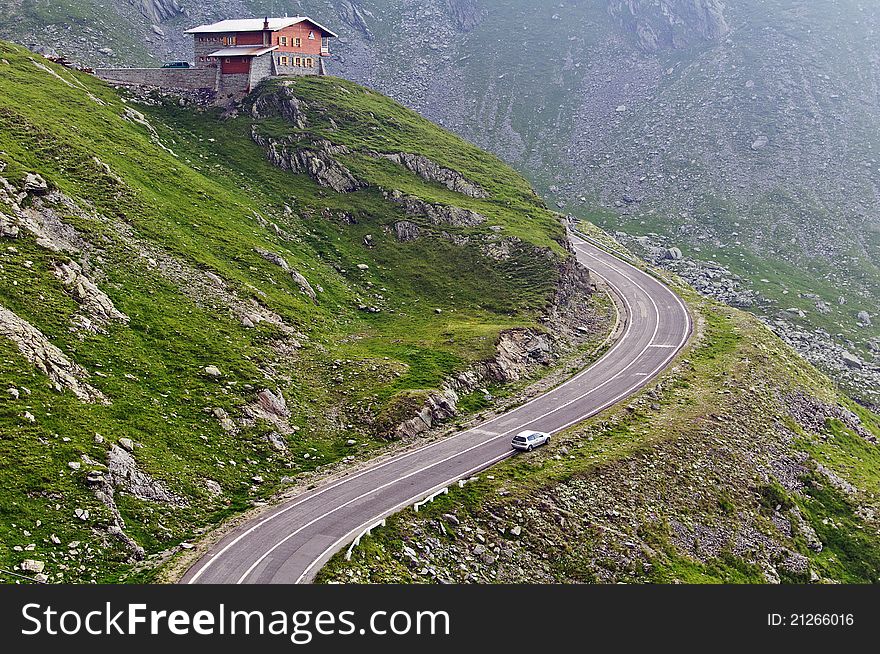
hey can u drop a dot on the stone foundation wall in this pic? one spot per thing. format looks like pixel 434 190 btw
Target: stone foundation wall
pixel 235 84
pixel 187 79
pixel 261 68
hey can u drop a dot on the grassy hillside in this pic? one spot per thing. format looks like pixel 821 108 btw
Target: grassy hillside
pixel 239 324
pixel 743 465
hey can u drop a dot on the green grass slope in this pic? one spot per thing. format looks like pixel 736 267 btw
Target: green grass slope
pixel 165 209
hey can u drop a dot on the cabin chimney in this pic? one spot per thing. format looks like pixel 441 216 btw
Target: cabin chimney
pixel 266 23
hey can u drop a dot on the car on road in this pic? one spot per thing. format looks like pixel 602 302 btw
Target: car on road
pixel 176 64
pixel 529 440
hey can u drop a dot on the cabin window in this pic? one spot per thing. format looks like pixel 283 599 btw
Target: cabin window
pixel 311 36
pixel 226 60
pixel 298 42
pixel 297 61
pixel 283 40
pixel 284 61
pixel 325 44
pixel 309 63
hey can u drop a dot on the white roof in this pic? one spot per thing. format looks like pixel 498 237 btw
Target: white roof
pixel 244 51
pixel 254 25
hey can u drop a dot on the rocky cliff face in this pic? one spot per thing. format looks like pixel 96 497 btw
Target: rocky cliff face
pixel 158 11
pixel 670 23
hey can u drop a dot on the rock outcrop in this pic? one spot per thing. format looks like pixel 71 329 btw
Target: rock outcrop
pixel 281 102
pixel 467 14
pixel 404 230
pixel 279 261
pixel 354 15
pixel 433 172
pixel 670 24
pixel 271 407
pixel 97 308
pixel 438 214
pixel 157 10
pixel 314 158
pixel 48 359
pixel 123 473
pixel 518 352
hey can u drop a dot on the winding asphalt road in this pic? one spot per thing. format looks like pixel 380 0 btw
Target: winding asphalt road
pixel 290 542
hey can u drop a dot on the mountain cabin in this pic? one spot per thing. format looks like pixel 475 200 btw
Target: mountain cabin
pixel 247 51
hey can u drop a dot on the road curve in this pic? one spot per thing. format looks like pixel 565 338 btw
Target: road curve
pixel 290 542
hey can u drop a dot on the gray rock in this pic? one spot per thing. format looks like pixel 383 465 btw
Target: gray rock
pixel 34 183
pixel 405 230
pixel 451 518
pixel 123 472
pixel 32 565
pixel 281 102
pixel 851 360
pixel 213 371
pixel 432 172
pixel 279 261
pixel 438 214
pixel 127 444
pixel 273 403
pixel 277 441
pixel 760 142
pixel 864 318
pixel 47 358
pixel 316 159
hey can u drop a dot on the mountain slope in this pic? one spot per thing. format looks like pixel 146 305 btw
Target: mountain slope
pixel 743 134
pixel 198 309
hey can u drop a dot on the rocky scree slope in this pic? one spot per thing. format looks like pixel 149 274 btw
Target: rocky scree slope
pixel 189 323
pixel 742 464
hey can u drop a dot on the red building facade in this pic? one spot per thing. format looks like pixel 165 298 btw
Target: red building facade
pixel 249 50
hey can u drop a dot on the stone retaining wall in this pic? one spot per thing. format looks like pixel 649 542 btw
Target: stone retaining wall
pixel 187 79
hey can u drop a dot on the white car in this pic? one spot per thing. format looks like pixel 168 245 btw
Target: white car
pixel 529 440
